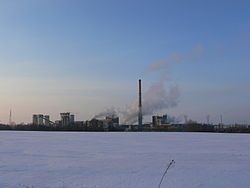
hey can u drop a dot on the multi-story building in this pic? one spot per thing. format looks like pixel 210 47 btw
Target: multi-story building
pixel 165 119
pixel 72 119
pixel 40 119
pixel 160 120
pixel 112 121
pixel 46 120
pixel 35 119
pixel 65 119
pixel 157 121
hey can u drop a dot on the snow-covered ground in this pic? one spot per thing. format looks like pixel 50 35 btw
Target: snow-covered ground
pixel 123 160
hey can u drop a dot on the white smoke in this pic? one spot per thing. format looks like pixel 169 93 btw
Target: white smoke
pixel 156 98
pixel 160 95
pixel 130 114
pixel 163 66
pixel 108 112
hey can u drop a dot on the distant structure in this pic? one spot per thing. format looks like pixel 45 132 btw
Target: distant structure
pixel 37 119
pixel 208 119
pixel 112 121
pixel 159 120
pixel 58 122
pixel 140 107
pixel 186 119
pixel 72 119
pixel 156 121
pixel 10 118
pixel 94 123
pixel 67 119
pixel 40 119
pixel 165 119
pixel 11 123
pixel 221 123
pixel 46 120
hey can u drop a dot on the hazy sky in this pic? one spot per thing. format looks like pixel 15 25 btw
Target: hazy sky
pixel 85 56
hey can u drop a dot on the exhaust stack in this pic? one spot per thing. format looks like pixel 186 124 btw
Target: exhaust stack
pixel 140 107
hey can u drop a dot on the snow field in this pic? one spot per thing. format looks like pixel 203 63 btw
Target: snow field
pixel 123 160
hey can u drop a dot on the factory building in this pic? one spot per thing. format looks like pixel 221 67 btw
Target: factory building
pixel 112 121
pixel 156 121
pixel 35 119
pixel 46 120
pixel 165 119
pixel 95 123
pixel 159 120
pixel 38 119
pixel 67 119
pixel 109 123
pixel 72 119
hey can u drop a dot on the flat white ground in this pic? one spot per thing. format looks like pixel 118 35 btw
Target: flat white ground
pixel 123 160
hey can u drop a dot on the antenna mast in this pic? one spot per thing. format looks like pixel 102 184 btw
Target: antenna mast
pixel 10 118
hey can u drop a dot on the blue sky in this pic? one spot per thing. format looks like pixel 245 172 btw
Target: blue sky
pixel 85 56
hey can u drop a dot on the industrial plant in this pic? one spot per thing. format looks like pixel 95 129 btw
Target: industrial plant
pixel 110 121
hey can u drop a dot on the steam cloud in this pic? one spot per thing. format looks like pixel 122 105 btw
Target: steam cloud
pixel 110 112
pixel 162 66
pixel 155 99
pixel 158 97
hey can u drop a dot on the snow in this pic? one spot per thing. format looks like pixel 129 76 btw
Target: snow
pixel 123 160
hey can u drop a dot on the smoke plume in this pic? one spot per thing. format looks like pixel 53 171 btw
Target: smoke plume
pixel 110 112
pixel 160 95
pixel 156 98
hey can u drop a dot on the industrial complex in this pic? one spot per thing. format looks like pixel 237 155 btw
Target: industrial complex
pixel 111 122
pixel 108 122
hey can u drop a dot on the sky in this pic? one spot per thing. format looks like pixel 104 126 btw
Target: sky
pixel 86 56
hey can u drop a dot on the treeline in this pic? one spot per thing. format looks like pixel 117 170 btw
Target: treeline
pixel 193 127
pixel 31 127
pixel 5 127
pixel 197 127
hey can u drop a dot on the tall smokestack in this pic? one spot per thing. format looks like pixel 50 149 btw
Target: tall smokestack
pixel 140 107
